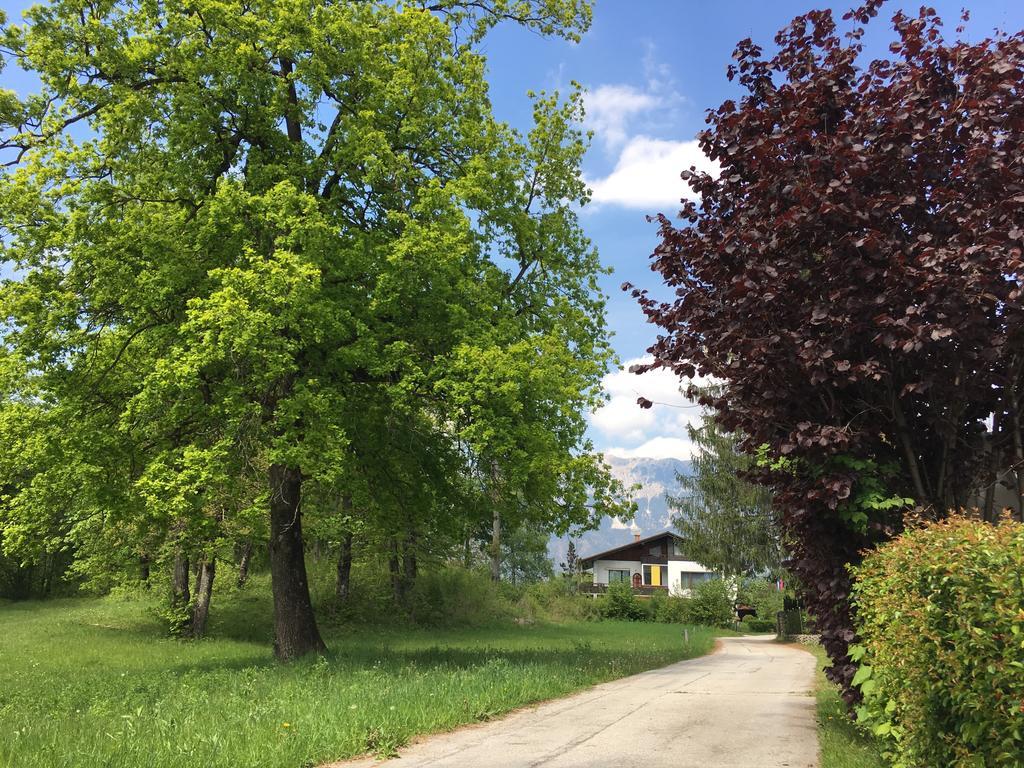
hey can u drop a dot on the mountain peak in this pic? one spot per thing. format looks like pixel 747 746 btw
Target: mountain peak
pixel 657 478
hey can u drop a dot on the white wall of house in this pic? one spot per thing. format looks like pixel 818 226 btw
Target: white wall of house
pixel 601 568
pixel 676 569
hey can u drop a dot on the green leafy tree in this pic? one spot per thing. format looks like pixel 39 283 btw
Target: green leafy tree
pixel 763 595
pixel 252 237
pixel 711 604
pixel 726 522
pixel 525 555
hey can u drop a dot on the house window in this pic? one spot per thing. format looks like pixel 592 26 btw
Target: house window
pixel 618 575
pixel 656 575
pixel 690 580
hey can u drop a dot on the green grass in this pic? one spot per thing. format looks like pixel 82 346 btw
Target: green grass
pixel 842 743
pixel 91 682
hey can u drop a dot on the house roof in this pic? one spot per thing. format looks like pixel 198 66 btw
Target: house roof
pixel 588 561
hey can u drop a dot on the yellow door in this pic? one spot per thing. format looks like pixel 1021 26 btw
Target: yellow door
pixel 655 575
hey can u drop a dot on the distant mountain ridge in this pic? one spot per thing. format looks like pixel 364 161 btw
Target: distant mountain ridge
pixel 657 480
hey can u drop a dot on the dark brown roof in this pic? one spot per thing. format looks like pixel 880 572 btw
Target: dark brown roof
pixel 589 561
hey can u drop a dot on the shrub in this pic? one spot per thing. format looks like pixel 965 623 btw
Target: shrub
pixel 710 604
pixel 763 596
pixel 556 599
pixel 456 597
pixel 754 624
pixel 940 614
pixel 667 609
pixel 619 602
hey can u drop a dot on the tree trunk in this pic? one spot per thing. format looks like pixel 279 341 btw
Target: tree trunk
pixel 144 569
pixel 180 596
pixel 903 434
pixel 47 568
pixel 994 466
pixel 496 545
pixel 204 591
pixel 1018 453
pixel 245 556
pixel 409 566
pixel 295 629
pixel 396 573
pixel 341 585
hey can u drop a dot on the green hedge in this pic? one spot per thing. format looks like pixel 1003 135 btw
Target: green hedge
pixel 754 624
pixel 940 614
pixel 709 605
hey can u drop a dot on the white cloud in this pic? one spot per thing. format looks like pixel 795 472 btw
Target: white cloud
pixel 657 448
pixel 626 119
pixel 658 73
pixel 610 108
pixel 613 109
pixel 647 173
pixel 659 430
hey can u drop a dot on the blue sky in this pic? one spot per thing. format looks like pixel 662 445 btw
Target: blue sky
pixel 651 68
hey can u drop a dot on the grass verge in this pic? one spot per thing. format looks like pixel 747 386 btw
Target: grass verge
pixel 842 743
pixel 90 682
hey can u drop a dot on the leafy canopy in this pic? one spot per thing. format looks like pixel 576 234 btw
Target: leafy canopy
pixel 289 239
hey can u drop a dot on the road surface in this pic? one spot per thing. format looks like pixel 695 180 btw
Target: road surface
pixel 748 705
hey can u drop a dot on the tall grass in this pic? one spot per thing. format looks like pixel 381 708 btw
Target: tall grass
pixel 93 682
pixel 842 743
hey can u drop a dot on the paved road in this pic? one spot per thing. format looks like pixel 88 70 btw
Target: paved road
pixel 749 705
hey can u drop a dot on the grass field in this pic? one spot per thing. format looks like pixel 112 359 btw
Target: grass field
pixel 91 682
pixel 843 744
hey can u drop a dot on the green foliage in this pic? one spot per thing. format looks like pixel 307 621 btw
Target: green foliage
pixel 941 665
pixel 667 609
pixel 524 554
pixel 763 596
pixel 754 624
pixel 456 597
pixel 557 599
pixel 92 682
pixel 727 523
pixel 764 458
pixel 262 240
pixel 619 602
pixel 711 605
pixel 177 618
pixel 871 492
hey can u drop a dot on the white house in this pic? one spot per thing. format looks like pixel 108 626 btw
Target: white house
pixel 655 562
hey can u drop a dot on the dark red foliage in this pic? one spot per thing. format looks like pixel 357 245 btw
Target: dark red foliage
pixel 853 276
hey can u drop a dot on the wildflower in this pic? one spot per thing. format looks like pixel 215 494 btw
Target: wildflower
pixel 286 725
